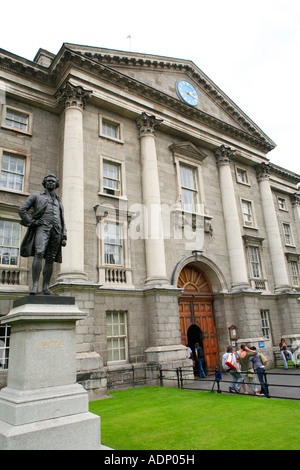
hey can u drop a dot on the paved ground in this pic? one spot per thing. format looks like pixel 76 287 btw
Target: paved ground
pixel 282 383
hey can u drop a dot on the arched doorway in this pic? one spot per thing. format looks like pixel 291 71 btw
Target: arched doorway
pixel 196 309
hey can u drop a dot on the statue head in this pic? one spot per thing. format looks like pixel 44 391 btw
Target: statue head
pixel 52 176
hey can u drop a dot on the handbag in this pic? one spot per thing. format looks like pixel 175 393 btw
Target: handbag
pixel 250 373
pixel 230 361
pixel 263 359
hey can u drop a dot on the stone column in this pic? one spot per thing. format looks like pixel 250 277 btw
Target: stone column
pixel 74 98
pixel 296 208
pixel 279 267
pixel 238 267
pixel 154 239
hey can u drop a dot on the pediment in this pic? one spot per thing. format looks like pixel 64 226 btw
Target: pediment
pixel 188 149
pixel 160 74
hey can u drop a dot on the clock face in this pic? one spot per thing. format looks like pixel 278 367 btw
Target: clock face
pixel 187 92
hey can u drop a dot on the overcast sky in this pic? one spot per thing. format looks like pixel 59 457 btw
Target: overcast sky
pixel 250 49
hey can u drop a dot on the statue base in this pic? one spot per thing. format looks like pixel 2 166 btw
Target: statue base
pixel 42 407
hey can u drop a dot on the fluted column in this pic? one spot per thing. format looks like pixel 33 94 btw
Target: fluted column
pixel 279 267
pixel 154 240
pixel 238 267
pixel 74 98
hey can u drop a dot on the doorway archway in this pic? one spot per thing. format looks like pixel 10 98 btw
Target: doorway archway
pixel 196 310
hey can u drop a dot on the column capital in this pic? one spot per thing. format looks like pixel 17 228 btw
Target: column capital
pixel 263 171
pixel 147 124
pixel 73 96
pixel 296 199
pixel 224 154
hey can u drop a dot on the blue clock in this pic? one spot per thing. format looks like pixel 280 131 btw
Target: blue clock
pixel 187 92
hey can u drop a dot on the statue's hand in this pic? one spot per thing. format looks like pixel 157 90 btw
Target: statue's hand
pixel 64 242
pixel 36 223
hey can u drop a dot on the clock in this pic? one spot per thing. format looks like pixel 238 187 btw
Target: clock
pixel 187 92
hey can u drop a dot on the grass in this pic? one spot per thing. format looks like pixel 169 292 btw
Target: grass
pixel 160 418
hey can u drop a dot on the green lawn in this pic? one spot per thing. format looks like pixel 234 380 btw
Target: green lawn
pixel 160 418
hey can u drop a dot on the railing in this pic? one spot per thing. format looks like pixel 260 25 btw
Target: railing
pixel 282 384
pixel 13 276
pixel 115 275
pixel 133 376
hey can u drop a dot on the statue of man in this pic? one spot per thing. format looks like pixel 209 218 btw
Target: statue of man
pixel 43 214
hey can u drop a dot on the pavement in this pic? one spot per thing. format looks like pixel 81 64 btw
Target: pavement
pixel 282 383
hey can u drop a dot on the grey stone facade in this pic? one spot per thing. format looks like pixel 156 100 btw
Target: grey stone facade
pixel 215 140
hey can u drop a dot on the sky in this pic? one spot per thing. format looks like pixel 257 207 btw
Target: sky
pixel 250 49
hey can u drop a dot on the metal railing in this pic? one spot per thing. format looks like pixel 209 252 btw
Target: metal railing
pixel 282 384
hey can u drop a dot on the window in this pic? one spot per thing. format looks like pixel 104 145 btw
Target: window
pixel 4 346
pixel 282 204
pixel 12 172
pixel 116 336
pixel 111 178
pixel 265 324
pixel 288 239
pixel 189 191
pixel 16 119
pixel 112 243
pixel 110 129
pixel 295 273
pixel 254 261
pixel 247 213
pixel 241 176
pixel 9 243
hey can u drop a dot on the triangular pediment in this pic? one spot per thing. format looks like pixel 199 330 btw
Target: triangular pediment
pixel 188 149
pixel 161 74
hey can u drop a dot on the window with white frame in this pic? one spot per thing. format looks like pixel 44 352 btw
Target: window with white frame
pixel 9 242
pixel 116 324
pixel 111 182
pixel 189 187
pixel 295 273
pixel 113 243
pixel 4 346
pixel 247 211
pixel 255 264
pixel 288 238
pixel 110 129
pixel 16 119
pixel 12 171
pixel 265 323
pixel 112 177
pixel 241 176
pixel 282 203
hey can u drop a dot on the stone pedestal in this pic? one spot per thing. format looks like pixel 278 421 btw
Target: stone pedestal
pixel 42 407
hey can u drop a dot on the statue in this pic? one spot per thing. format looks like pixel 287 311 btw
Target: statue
pixel 46 232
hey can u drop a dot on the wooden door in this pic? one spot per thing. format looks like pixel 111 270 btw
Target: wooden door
pixel 196 308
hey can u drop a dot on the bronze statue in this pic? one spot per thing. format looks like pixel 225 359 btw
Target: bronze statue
pixel 46 232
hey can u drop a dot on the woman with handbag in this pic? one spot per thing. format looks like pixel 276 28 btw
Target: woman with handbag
pixel 230 365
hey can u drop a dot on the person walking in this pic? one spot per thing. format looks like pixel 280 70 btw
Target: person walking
pixel 200 357
pixel 237 378
pixel 259 369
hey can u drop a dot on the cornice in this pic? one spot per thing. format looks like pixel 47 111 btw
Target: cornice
pixel 139 88
pixel 265 170
pixel 97 64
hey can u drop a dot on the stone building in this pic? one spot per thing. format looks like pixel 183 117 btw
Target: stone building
pixel 180 229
